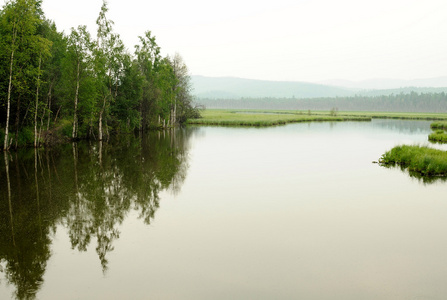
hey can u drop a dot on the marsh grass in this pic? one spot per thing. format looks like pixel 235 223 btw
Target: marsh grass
pixel 266 118
pixel 439 125
pixel 439 136
pixel 221 117
pixel 399 115
pixel 417 159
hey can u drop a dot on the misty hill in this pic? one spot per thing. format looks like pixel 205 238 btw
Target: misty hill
pixel 235 88
pixel 233 93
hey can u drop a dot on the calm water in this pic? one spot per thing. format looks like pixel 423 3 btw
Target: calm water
pixel 290 212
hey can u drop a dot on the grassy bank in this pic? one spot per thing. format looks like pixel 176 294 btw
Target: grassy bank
pixel 267 118
pixel 424 160
pixel 259 118
pixel 402 115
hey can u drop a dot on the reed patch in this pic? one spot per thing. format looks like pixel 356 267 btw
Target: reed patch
pixel 421 159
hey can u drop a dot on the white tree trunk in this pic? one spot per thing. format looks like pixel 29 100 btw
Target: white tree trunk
pixel 8 109
pixel 37 105
pixel 75 116
pixel 100 119
pixel 100 126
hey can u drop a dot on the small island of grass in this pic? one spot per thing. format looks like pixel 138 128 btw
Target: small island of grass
pixel 424 160
pixel 439 136
pixel 440 125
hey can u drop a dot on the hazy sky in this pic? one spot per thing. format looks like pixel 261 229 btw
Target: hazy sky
pixel 299 40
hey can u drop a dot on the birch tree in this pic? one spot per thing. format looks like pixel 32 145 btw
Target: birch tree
pixel 109 57
pixel 19 21
pixel 183 106
pixel 148 57
pixel 79 63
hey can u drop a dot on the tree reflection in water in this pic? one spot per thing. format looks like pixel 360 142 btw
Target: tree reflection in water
pixel 87 187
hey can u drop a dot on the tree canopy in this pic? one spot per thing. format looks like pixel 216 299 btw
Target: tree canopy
pixel 81 85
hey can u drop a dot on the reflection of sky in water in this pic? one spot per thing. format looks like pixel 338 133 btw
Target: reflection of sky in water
pixel 286 212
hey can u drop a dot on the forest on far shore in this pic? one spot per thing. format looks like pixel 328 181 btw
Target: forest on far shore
pixel 82 86
pixel 402 102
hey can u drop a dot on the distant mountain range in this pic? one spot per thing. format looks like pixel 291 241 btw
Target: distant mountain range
pixel 236 88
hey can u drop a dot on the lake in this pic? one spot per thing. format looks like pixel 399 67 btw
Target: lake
pixel 288 212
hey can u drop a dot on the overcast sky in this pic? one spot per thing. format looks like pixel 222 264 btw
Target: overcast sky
pixel 299 40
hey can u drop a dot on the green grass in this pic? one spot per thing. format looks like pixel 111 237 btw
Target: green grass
pixel 267 118
pixel 439 125
pixel 259 118
pixel 398 115
pixel 439 136
pixel 423 160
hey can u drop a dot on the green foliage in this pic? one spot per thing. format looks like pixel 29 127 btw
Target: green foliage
pixel 424 160
pixel 91 80
pixel 66 128
pixel 23 47
pixel 25 137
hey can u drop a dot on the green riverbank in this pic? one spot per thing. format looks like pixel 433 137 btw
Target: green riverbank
pixel 279 117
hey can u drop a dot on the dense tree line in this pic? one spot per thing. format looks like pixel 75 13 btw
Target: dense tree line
pixel 409 102
pixel 82 85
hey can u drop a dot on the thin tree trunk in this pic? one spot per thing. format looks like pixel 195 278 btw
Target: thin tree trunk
pixel 37 105
pixel 26 113
pixel 100 153
pixel 100 126
pixel 49 104
pixel 75 116
pixel 8 109
pixel 17 121
pixel 57 114
pixel 174 123
pixel 41 124
pixel 100 119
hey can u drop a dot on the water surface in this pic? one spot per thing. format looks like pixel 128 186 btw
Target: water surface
pixel 288 212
